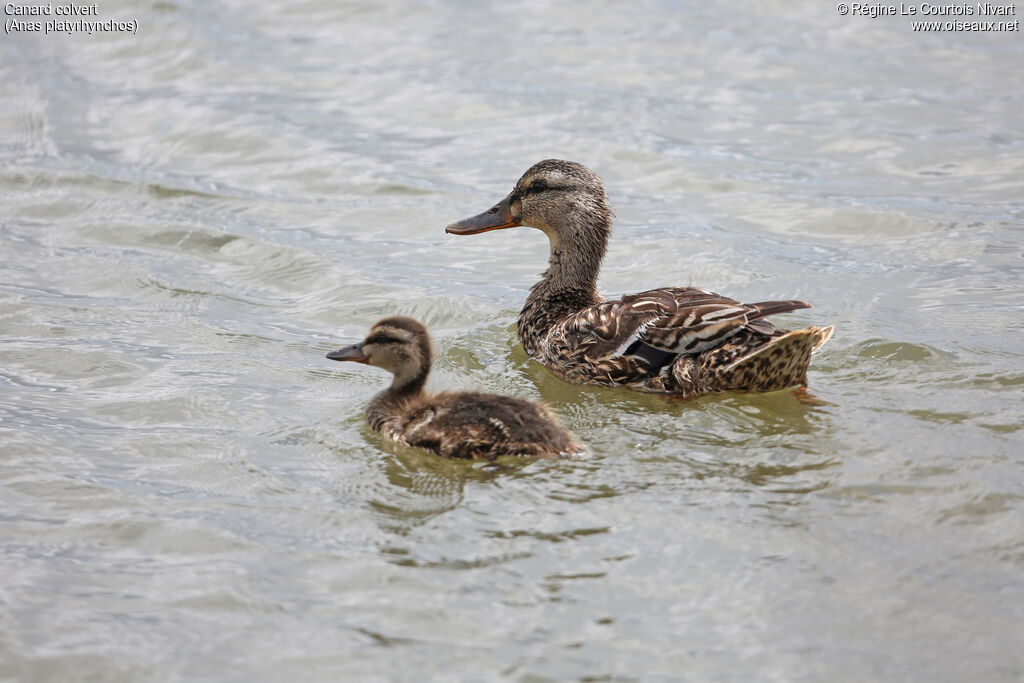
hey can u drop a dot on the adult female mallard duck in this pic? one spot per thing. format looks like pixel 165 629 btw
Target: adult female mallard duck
pixel 456 425
pixel 674 340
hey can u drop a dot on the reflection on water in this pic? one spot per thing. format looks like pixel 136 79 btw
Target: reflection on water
pixel 421 487
pixel 191 217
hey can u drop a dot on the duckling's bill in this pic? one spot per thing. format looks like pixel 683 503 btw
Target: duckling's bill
pixel 353 352
pixel 497 217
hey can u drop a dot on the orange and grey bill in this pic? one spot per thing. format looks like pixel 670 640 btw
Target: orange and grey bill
pixel 497 217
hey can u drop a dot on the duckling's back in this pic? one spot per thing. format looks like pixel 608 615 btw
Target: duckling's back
pixel 485 426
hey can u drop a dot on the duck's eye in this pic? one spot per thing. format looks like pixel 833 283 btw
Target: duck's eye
pixel 538 185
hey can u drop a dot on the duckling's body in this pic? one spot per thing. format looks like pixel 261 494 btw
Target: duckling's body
pixel 682 341
pixel 452 424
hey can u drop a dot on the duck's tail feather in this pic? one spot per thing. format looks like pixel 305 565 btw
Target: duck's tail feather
pixel 779 364
pixel 824 336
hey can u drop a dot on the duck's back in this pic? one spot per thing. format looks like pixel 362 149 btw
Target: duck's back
pixel 477 425
pixel 682 341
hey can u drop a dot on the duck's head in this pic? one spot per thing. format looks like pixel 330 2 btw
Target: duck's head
pixel 397 344
pixel 563 198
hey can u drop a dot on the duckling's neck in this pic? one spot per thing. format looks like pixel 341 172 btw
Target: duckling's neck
pixel 568 286
pixel 387 408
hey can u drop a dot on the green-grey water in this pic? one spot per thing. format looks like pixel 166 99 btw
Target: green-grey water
pixel 191 216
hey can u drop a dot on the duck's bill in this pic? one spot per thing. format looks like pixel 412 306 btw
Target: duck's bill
pixel 353 353
pixel 497 217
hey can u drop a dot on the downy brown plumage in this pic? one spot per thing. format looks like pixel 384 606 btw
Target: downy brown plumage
pixel 682 341
pixel 455 425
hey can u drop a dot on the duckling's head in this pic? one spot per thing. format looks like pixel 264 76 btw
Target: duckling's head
pixel 397 344
pixel 565 199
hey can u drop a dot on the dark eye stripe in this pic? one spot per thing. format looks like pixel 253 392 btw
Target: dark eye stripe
pixel 382 339
pixel 538 186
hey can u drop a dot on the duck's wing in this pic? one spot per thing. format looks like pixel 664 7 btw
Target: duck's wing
pixel 668 321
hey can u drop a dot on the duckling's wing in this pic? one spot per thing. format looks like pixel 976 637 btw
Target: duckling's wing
pixel 478 425
pixel 447 429
pixel 671 320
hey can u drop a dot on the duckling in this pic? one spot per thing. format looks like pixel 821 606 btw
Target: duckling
pixel 681 341
pixel 466 424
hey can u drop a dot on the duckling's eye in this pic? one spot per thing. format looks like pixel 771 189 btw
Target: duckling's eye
pixel 382 339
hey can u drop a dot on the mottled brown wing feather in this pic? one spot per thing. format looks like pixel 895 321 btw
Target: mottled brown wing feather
pixel 679 320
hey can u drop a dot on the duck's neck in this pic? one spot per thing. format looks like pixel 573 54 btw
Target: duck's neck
pixel 568 286
pixel 388 406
